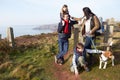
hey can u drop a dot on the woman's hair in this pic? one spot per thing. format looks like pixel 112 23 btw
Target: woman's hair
pixel 64 6
pixel 80 45
pixel 87 12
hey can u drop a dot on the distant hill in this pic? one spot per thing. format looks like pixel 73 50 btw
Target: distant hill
pixel 52 27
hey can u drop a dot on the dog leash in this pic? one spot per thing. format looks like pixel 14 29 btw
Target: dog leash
pixel 93 44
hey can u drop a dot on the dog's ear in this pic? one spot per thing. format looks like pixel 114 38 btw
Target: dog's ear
pixel 107 53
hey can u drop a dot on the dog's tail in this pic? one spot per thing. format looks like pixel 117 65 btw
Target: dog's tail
pixel 111 43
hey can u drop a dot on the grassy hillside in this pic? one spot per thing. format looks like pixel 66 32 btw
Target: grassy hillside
pixel 33 59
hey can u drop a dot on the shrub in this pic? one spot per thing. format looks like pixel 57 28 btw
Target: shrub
pixel 5 49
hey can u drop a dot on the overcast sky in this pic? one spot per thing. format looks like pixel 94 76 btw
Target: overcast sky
pixel 39 12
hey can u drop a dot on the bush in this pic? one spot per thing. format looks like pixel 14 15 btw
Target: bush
pixel 5 49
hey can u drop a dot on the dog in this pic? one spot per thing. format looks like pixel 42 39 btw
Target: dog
pixel 104 59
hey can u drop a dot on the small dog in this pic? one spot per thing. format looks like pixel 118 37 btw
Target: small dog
pixel 104 57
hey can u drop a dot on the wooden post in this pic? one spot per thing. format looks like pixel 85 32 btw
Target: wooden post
pixel 111 29
pixel 101 23
pixel 10 36
pixel 76 35
pixel 81 38
pixel 106 34
pixel 0 36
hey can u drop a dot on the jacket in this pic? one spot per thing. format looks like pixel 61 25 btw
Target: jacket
pixel 94 24
pixel 60 30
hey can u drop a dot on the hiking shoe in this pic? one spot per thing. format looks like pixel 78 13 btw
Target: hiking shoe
pixel 56 59
pixel 87 69
pixel 60 63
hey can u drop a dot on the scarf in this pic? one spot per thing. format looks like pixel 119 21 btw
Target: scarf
pixel 66 29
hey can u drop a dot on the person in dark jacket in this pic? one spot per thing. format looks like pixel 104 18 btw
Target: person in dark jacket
pixel 64 33
pixel 78 59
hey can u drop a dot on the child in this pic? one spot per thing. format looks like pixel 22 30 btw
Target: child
pixel 64 33
pixel 78 58
pixel 63 11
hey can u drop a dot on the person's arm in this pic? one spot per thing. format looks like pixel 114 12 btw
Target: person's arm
pixel 74 64
pixel 76 19
pixel 61 26
pixel 94 51
pixel 97 24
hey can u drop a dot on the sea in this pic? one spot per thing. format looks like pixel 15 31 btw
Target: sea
pixel 20 30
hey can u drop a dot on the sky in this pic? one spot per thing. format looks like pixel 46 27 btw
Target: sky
pixel 40 12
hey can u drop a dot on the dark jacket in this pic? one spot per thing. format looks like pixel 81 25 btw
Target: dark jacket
pixel 60 30
pixel 77 54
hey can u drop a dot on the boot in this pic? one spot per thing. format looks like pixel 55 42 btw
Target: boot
pixel 86 68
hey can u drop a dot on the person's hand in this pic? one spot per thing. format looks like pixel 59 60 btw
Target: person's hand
pixel 72 18
pixel 90 32
pixel 84 35
pixel 76 73
pixel 103 52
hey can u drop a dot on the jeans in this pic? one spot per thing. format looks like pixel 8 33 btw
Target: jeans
pixel 63 47
pixel 88 45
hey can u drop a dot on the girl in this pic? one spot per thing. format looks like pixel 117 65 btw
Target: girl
pixel 63 11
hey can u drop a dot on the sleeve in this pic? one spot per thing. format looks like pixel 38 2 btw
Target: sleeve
pixel 74 22
pixel 61 16
pixel 97 24
pixel 94 51
pixel 74 62
pixel 60 27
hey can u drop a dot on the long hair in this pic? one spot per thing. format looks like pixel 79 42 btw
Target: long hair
pixel 64 12
pixel 87 12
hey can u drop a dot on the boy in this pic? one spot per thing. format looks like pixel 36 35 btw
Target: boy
pixel 64 33
pixel 78 58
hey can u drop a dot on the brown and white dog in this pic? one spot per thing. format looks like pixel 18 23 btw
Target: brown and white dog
pixel 104 59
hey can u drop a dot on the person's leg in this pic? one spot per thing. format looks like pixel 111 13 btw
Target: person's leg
pixel 65 49
pixel 83 63
pixel 87 46
pixel 60 45
pixel 81 60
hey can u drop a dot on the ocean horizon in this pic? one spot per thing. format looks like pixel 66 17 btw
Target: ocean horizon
pixel 20 30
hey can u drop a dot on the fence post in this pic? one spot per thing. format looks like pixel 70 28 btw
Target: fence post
pixel 106 33
pixel 10 36
pixel 76 35
pixel 101 23
pixel 0 36
pixel 111 29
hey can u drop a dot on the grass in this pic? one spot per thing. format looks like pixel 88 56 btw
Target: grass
pixel 36 63
pixel 30 65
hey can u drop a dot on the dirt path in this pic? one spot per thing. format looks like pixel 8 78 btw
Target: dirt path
pixel 62 72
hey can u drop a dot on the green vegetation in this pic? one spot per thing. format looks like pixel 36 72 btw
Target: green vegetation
pixel 27 62
pixel 35 61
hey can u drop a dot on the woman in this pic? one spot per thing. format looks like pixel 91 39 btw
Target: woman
pixel 89 27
